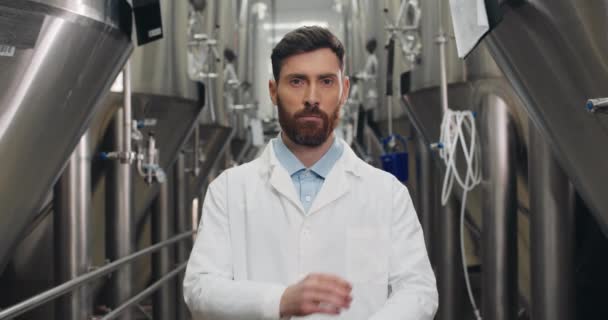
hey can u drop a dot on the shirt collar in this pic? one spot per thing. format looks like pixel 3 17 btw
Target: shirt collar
pixel 292 164
pixel 287 159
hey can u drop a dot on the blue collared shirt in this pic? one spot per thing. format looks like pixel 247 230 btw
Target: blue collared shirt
pixel 307 181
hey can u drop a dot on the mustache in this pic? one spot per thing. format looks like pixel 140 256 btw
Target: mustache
pixel 309 111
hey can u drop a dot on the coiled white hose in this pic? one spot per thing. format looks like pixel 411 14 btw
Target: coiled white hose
pixel 458 131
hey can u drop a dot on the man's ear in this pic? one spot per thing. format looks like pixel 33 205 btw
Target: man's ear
pixel 346 90
pixel 272 88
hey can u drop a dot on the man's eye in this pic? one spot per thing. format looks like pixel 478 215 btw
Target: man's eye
pixel 327 82
pixel 295 82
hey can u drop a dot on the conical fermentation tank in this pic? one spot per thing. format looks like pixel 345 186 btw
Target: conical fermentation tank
pixel 58 59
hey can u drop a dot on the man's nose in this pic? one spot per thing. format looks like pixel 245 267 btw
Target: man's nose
pixel 312 96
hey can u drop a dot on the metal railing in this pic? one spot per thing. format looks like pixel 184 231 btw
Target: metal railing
pixel 71 285
pixel 149 290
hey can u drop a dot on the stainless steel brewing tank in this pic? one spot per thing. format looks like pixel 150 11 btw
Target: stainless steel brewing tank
pixel 58 59
pixel 554 54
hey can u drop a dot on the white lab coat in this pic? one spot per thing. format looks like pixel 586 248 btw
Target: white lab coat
pixel 255 240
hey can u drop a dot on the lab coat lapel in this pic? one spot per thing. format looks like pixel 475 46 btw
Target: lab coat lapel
pixel 336 184
pixel 282 183
pixel 279 179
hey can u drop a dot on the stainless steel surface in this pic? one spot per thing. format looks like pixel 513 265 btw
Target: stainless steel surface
pixel 480 64
pixel 69 286
pixel 196 151
pixel 127 111
pixel 220 25
pixel 22 278
pixel 214 145
pixel 356 34
pixel 182 224
pixel 176 120
pixel 163 304
pixel 258 61
pixel 161 67
pixel 554 54
pixel 499 228
pixel 140 296
pixel 107 12
pixel 450 279
pixel 120 219
pixel 245 44
pixel 441 42
pixel 62 75
pixel 72 230
pixel 427 73
pixel 423 108
pixel 552 234
pixel 246 147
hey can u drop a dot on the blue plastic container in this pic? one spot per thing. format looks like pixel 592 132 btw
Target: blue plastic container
pixel 397 163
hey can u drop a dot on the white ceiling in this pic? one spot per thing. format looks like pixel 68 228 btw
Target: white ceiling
pixel 304 5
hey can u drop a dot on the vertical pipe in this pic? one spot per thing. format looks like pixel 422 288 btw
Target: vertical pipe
pixel 72 231
pixel 551 234
pixel 442 42
pixel 215 14
pixel 426 188
pixel 128 117
pixel 162 263
pixel 243 49
pixel 181 225
pixel 499 231
pixel 197 145
pixel 442 39
pixel 450 280
pixel 120 225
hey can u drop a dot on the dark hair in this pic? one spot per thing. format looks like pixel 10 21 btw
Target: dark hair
pixel 305 39
pixel 371 45
pixel 229 55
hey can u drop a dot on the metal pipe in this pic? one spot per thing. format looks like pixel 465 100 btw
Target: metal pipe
pixel 162 262
pixel 221 107
pixel 248 142
pixel 551 234
pixel 72 231
pixel 499 230
pixel 155 286
pixel 450 279
pixel 441 41
pixel 196 209
pixel 197 147
pixel 221 154
pixel 243 50
pixel 426 188
pixel 128 116
pixel 120 235
pixel 60 290
pixel 389 85
pixel 181 225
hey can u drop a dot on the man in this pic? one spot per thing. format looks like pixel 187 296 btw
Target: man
pixel 308 229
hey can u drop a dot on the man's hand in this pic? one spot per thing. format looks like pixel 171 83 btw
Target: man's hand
pixel 317 293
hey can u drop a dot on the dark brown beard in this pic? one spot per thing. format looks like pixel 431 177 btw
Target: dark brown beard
pixel 309 133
